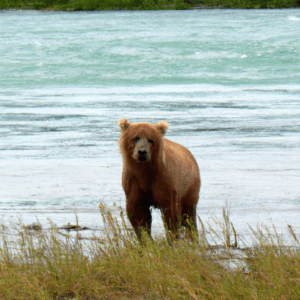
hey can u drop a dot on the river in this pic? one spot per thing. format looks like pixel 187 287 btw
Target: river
pixel 226 81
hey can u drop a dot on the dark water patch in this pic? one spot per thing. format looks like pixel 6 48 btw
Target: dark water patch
pixel 60 144
pixel 229 105
pixel 27 203
pixel 266 145
pixel 66 143
pixel 179 105
pixel 144 104
pixel 26 104
pixel 24 148
pixel 268 90
pixel 38 117
pixel 271 170
pixel 86 145
pixel 28 129
pixel 260 129
pixel 211 129
pixel 47 129
pixel 78 127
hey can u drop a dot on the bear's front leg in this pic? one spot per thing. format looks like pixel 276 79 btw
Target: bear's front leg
pixel 137 207
pixel 140 217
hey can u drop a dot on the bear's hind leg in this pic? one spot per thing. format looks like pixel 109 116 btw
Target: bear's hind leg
pixel 189 220
pixel 171 221
pixel 189 206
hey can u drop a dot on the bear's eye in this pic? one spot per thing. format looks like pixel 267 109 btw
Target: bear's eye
pixel 137 139
pixel 151 142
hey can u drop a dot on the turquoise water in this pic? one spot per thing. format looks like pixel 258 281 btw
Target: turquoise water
pixel 219 47
pixel 226 81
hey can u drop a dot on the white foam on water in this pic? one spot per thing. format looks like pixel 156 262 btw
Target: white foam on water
pixel 213 55
pixel 294 19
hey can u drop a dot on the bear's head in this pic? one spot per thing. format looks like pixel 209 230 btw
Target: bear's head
pixel 141 141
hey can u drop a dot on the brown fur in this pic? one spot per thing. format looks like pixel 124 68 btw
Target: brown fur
pixel 157 172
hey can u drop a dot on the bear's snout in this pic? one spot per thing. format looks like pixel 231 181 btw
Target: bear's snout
pixel 142 155
pixel 142 150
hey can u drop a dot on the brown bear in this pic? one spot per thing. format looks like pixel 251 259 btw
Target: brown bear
pixel 160 173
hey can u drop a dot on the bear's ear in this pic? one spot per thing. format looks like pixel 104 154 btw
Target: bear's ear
pixel 124 124
pixel 162 126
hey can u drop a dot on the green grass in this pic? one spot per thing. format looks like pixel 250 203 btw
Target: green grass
pixel 47 264
pixel 252 3
pixel 90 5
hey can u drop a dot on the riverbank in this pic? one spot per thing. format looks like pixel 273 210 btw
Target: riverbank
pixel 39 264
pixel 97 5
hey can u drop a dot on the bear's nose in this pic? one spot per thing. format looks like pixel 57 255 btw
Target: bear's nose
pixel 142 155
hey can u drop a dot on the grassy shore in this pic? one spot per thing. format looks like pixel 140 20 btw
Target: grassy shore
pixel 91 5
pixel 48 264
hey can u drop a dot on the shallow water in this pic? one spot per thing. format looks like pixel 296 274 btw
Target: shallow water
pixel 226 81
